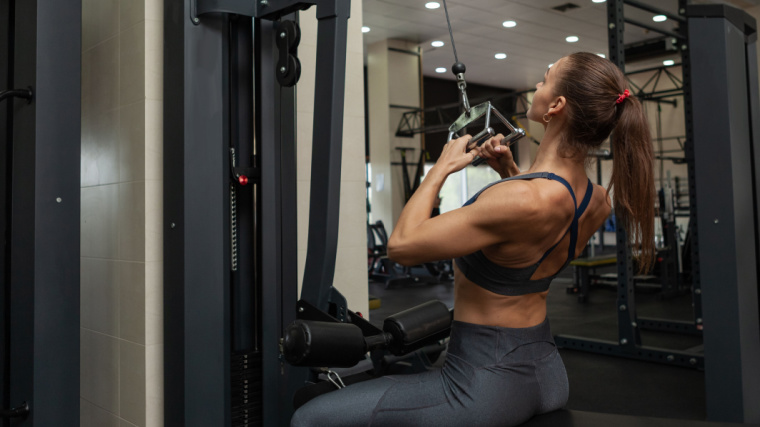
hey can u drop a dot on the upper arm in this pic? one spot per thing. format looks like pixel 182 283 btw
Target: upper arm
pixel 500 215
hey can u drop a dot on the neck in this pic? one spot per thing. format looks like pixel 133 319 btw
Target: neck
pixel 548 157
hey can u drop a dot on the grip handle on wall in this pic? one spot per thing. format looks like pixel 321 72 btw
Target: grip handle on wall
pixel 19 93
pixel 19 411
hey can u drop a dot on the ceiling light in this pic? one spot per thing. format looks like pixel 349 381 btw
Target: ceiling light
pixel 668 62
pixel 659 18
pixel 500 56
pixel 441 70
pixel 365 29
pixel 432 5
pixel 571 39
pixel 601 55
pixel 509 24
pixel 437 43
pixel 598 1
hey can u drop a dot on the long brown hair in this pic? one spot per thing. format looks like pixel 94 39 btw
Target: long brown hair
pixel 591 86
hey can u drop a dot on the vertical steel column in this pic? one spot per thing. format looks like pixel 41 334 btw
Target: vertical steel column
pixel 630 338
pixel 196 218
pixel 6 136
pixel 723 152
pixel 696 286
pixel 44 279
pixel 327 151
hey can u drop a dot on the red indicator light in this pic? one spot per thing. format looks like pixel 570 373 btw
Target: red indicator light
pixel 243 180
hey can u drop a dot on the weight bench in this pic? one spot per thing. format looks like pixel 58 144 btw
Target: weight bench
pixel 584 270
pixel 567 418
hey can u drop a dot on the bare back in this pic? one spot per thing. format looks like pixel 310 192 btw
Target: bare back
pixel 474 304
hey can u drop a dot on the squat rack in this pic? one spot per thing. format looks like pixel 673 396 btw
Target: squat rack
pixel 723 155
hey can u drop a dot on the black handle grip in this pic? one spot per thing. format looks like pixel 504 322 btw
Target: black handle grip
pixel 19 411
pixel 19 93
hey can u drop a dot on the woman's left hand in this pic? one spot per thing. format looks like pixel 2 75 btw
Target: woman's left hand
pixel 455 156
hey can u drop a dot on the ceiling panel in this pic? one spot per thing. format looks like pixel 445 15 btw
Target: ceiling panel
pixel 536 41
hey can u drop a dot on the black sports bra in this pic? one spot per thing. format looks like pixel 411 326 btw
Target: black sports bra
pixel 516 281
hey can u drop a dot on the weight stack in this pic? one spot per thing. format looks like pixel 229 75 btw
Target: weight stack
pixel 246 396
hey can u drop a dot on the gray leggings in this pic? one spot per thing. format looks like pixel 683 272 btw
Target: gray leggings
pixel 492 377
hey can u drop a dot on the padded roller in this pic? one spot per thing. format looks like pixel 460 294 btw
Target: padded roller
pixel 329 344
pixel 418 326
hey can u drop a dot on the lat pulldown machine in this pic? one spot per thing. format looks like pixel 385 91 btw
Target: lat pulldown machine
pixel 229 202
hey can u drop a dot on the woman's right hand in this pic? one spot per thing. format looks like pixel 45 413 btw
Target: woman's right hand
pixel 499 157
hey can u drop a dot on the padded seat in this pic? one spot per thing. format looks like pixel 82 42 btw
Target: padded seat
pixel 567 418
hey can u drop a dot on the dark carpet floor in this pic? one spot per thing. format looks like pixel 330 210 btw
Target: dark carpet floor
pixel 598 383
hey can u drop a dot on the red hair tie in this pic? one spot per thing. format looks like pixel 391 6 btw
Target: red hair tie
pixel 622 97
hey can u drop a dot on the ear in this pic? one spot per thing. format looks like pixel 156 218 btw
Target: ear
pixel 557 105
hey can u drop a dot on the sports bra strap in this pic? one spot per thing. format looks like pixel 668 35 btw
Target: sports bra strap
pixel 579 210
pixel 574 226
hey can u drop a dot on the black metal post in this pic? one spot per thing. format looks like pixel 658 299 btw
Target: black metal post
pixel 630 338
pixel 45 211
pixel 727 225
pixel 6 136
pixel 327 145
pixel 196 219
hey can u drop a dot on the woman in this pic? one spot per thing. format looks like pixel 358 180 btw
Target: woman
pixel 509 241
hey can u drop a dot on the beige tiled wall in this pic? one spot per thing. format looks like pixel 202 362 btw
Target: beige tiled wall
pixel 394 79
pixel 121 189
pixel 350 269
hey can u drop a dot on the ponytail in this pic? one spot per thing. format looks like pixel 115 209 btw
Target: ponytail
pixel 633 178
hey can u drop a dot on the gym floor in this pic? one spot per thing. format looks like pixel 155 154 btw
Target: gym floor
pixel 598 383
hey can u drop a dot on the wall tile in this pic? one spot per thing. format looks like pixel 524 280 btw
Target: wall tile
pixel 132 221
pixel 353 167
pixel 99 370
pixel 154 10
pixel 132 64
pixel 154 303
pixel 132 301
pixel 154 140
pixel 92 416
pixel 100 149
pixel 302 204
pixel 132 142
pixel 132 383
pixel 353 206
pixel 100 78
pixel 99 221
pixel 99 295
pixel 154 217
pixel 131 12
pixel 100 21
pixel 154 60
pixel 154 369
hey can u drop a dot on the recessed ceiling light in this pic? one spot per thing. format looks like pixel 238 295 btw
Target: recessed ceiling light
pixel 509 24
pixel 659 18
pixel 500 56
pixel 598 1
pixel 571 39
pixel 437 43
pixel 668 62
pixel 602 55
pixel 432 5
pixel 441 70
pixel 365 29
